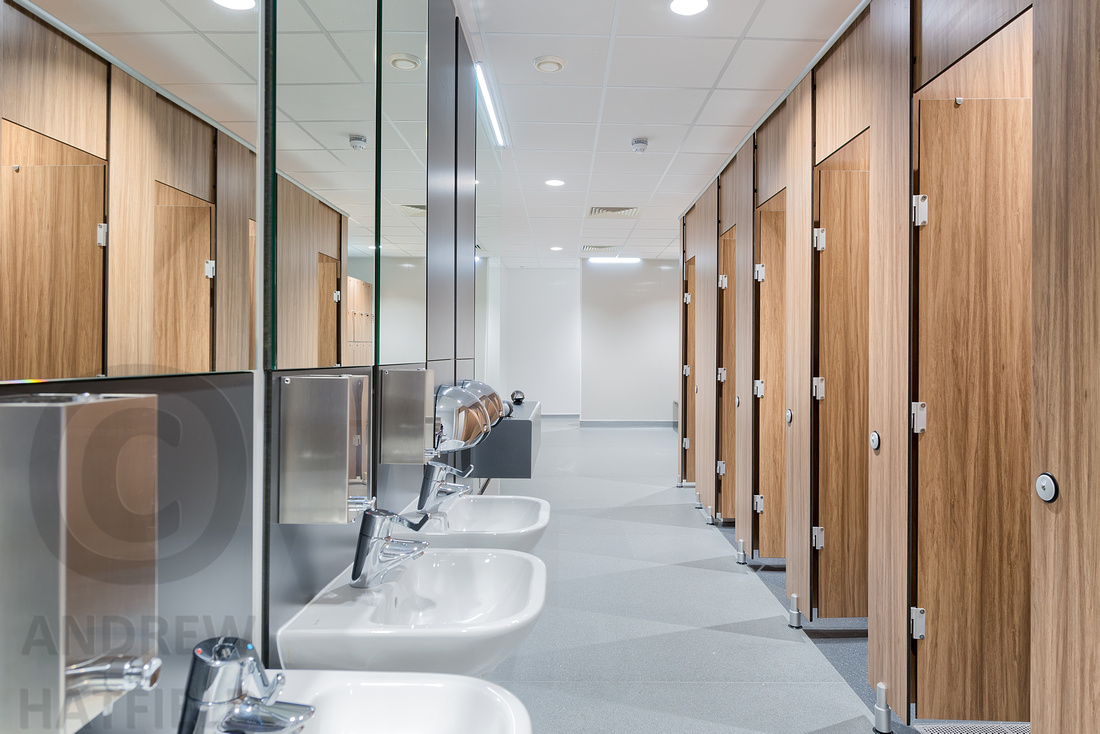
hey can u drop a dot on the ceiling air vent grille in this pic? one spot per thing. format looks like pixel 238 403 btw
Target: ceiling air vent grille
pixel 597 248
pixel 414 210
pixel 613 212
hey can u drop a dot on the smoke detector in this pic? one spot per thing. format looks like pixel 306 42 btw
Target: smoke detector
pixel 639 145
pixel 549 64
pixel 357 142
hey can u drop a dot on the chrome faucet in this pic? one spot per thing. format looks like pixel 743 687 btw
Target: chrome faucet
pixel 434 491
pixel 112 673
pixel 216 700
pixel 376 552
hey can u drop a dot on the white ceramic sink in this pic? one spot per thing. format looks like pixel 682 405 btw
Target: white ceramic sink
pixel 517 523
pixel 450 611
pixel 409 703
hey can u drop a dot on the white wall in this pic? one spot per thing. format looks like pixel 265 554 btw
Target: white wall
pixel 402 318
pixel 487 284
pixel 540 337
pixel 630 347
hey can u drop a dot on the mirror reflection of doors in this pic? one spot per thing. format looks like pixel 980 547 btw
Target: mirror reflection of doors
pixel 689 379
pixel 727 360
pixel 52 198
pixel 183 316
pixel 771 248
pixel 842 187
pixel 328 310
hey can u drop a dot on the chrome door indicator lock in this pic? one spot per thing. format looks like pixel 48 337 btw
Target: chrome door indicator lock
pixel 876 441
pixel 790 417
pixel 737 401
pixel 1046 486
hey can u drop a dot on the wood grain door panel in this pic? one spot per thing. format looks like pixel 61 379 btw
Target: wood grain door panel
pixel 974 372
pixel 771 229
pixel 840 581
pixel 727 358
pixel 328 311
pixel 182 317
pixel 689 381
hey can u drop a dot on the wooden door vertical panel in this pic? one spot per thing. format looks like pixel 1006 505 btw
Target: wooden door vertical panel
pixel 131 294
pixel 771 155
pixel 185 151
pixel 706 345
pixel 841 582
pixel 689 380
pixel 328 311
pixel 888 323
pixel 973 540
pixel 727 409
pixel 798 340
pixel 50 84
pixel 1065 639
pixel 952 28
pixel 182 244
pixel 771 231
pixel 235 250
pixel 842 98
pixel 51 269
pixel 999 68
pixel 742 179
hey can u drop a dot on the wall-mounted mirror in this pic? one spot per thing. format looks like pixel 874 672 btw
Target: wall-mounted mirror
pixel 403 183
pixel 128 246
pixel 489 198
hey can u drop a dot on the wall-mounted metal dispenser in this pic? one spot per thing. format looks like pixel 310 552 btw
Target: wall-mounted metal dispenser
pixel 324 448
pixel 78 553
pixel 406 415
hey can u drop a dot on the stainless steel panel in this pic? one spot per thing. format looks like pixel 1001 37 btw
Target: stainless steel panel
pixel 406 415
pixel 442 39
pixel 324 439
pixel 465 224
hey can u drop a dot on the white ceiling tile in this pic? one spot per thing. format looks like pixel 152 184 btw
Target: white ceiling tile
pixel 404 102
pixel 340 15
pixel 534 161
pixel 689 184
pixel 556 198
pixel 223 102
pixel 697 163
pixel 653 18
pixel 801 19
pixel 617 198
pixel 115 16
pixel 631 163
pixel 768 64
pixel 360 50
pixel 662 138
pixel 532 103
pixel 736 107
pixel 308 160
pixel 669 62
pixel 624 182
pixel 585 59
pixel 561 212
pixel 652 106
pixel 714 138
pixel 546 136
pixel 173 58
pixel 327 102
pixel 565 17
pixel 335 135
pixel 312 58
pixel 357 160
pixel 406 16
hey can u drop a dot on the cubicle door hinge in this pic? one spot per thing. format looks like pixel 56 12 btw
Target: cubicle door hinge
pixel 817 538
pixel 758 388
pixel 210 269
pixel 720 470
pixel 920 210
pixel 758 272
pixel 920 417
pixel 687 370
pixel 916 623
pixel 687 299
pixel 818 388
pixel 819 239
pixel 758 504
pixel 686 444
pixel 101 235
pixel 723 282
pixel 721 374
pixel 336 296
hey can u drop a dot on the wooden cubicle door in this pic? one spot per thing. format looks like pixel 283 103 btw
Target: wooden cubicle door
pixel 183 316
pixel 974 373
pixel 840 580
pixel 52 197
pixel 689 379
pixel 727 360
pixel 771 249
pixel 328 311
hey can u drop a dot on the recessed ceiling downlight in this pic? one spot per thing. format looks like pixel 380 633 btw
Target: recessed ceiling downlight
pixel 404 62
pixel 555 182
pixel 555 249
pixel 237 4
pixel 688 7
pixel 549 64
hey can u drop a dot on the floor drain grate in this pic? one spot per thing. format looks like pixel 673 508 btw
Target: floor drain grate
pixel 983 728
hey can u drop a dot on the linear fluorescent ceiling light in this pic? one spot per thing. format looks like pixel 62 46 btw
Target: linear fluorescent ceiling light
pixel 484 87
pixel 555 182
pixel 555 249
pixel 237 4
pixel 687 7
pixel 614 260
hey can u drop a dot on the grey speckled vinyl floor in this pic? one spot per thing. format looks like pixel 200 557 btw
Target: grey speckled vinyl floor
pixel 649 625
